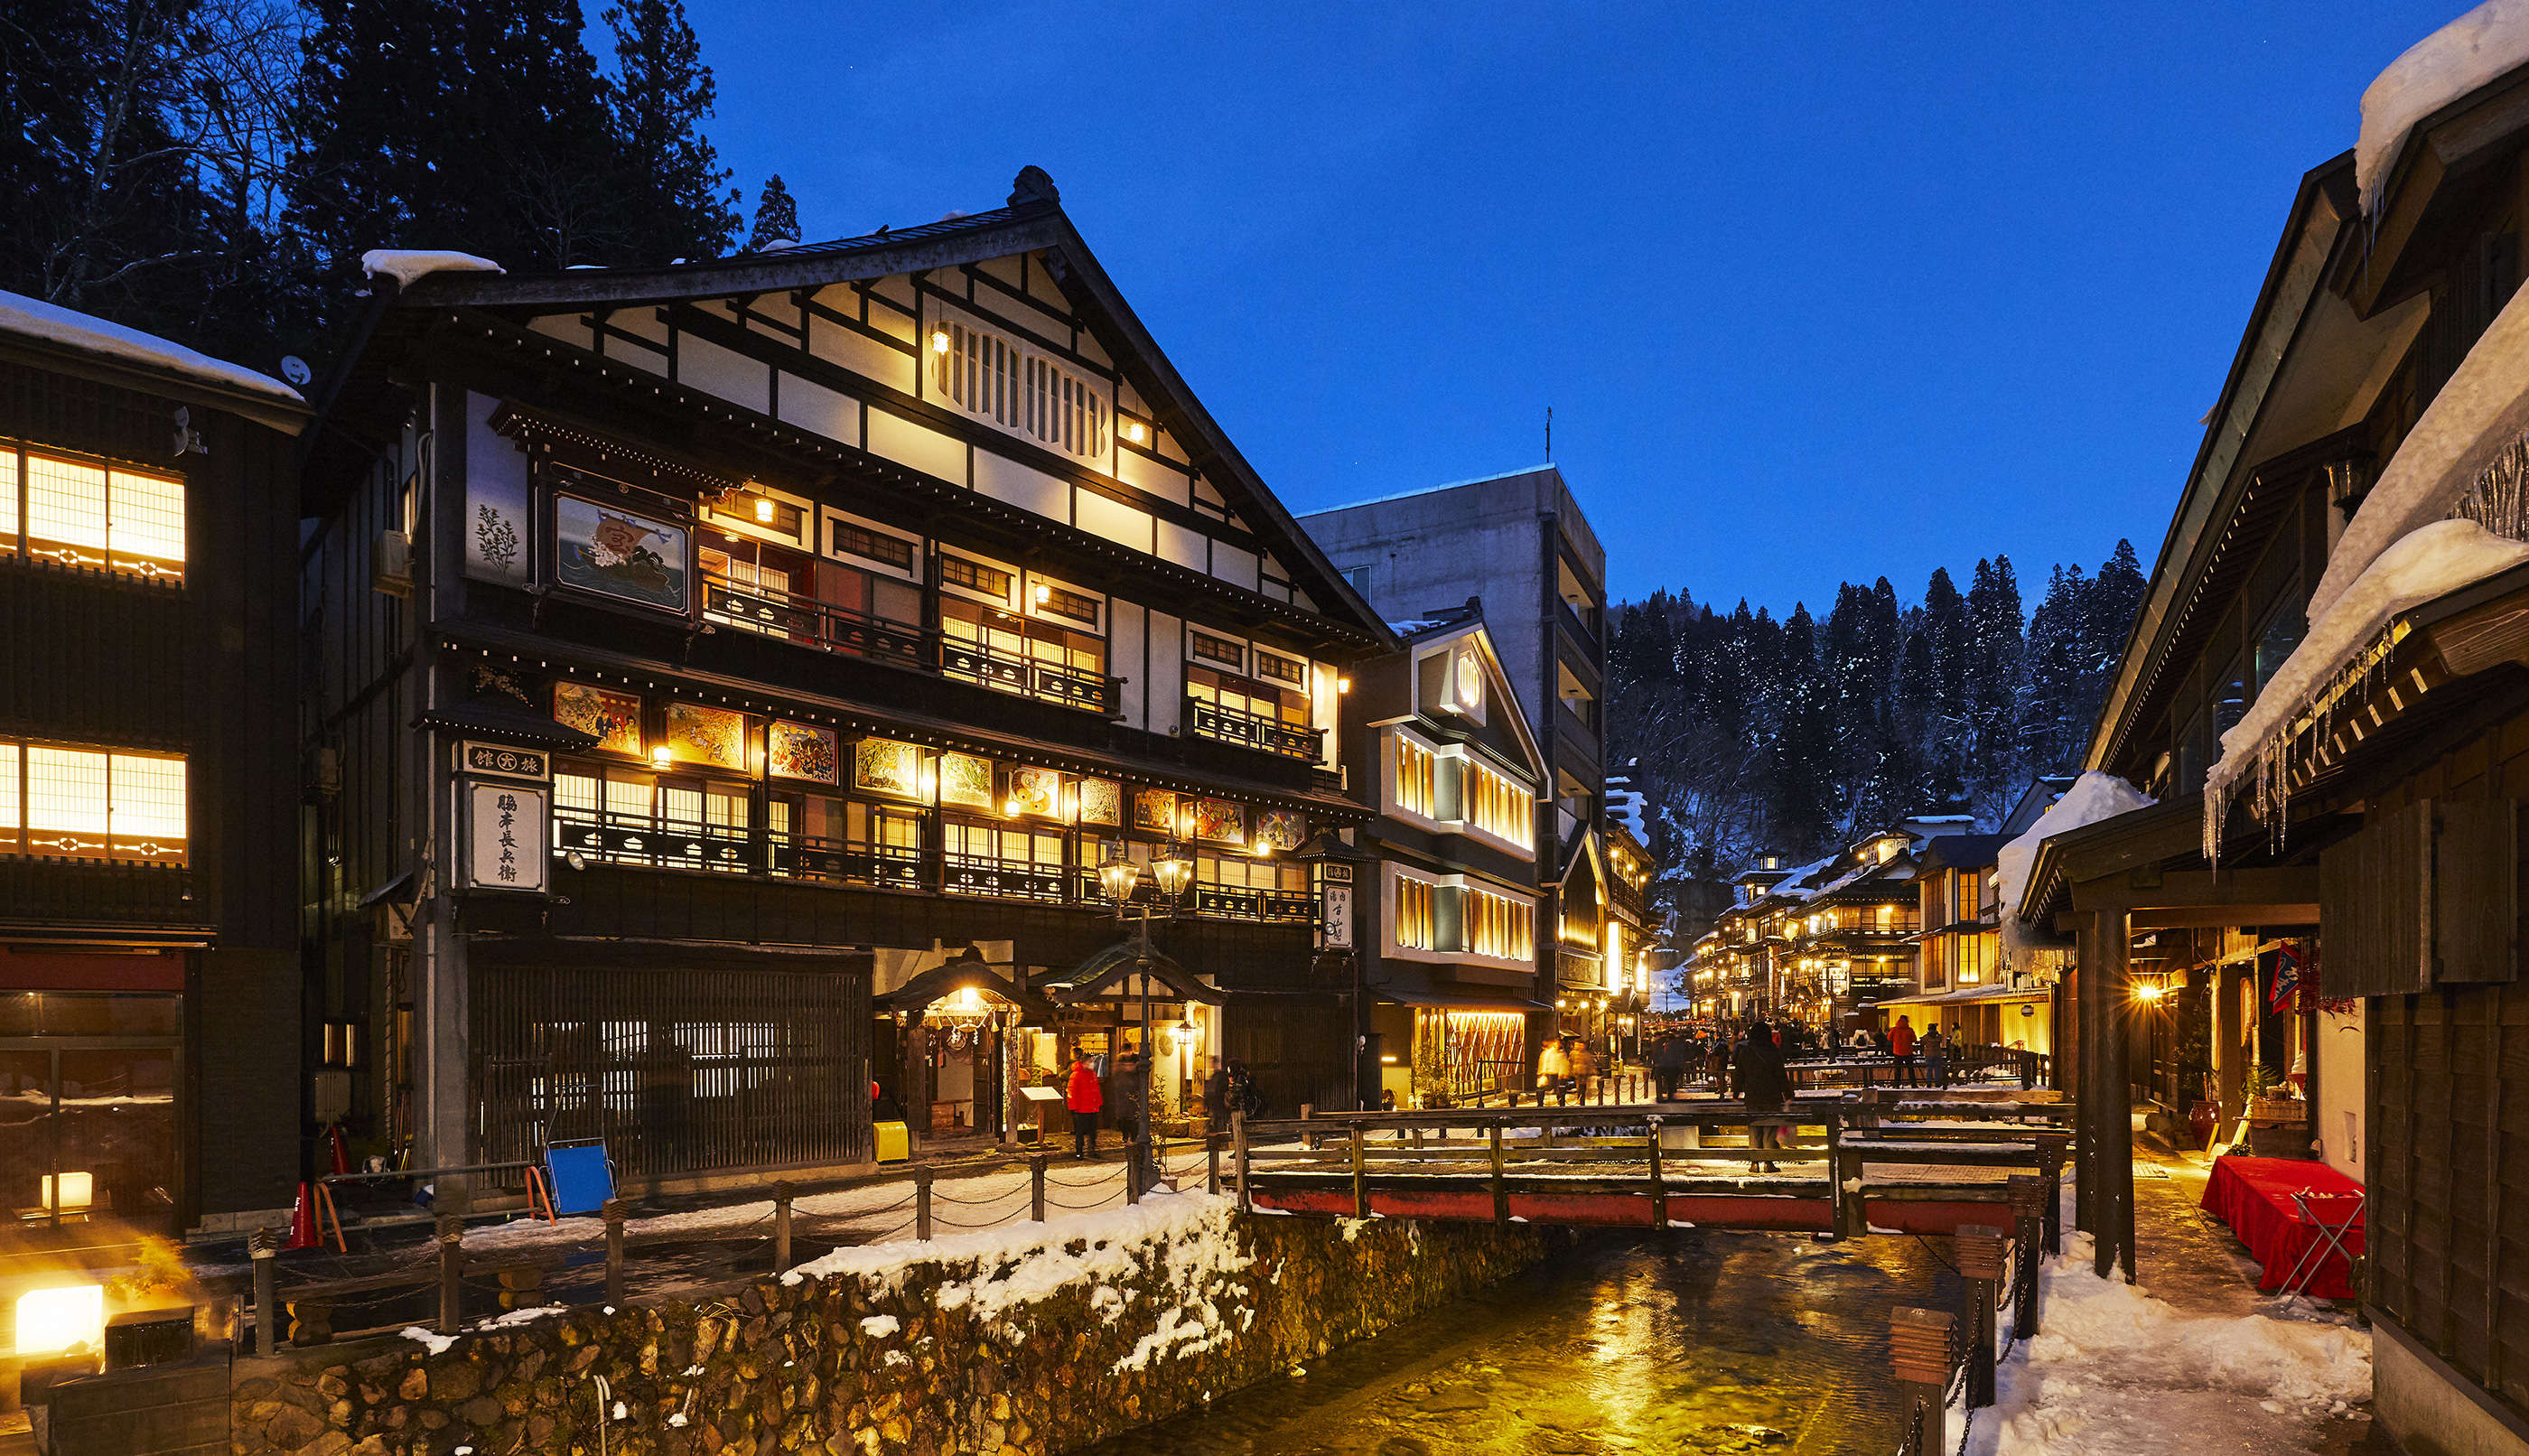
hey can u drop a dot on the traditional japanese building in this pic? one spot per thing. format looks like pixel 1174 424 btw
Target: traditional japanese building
pixel 152 1046
pixel 2328 692
pixel 736 673
pixel 1446 904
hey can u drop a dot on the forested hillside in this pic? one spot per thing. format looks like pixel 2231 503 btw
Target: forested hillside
pixel 1797 734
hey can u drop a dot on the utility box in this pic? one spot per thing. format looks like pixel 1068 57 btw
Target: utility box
pixel 895 1142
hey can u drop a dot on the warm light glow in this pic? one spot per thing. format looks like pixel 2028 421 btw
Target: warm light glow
pixel 1387 1058
pixel 938 341
pixel 55 1319
pixel 1343 684
pixel 1173 867
pixel 1119 875
pixel 78 1190
pixel 1257 846
pixel 659 755
pixel 1043 594
pixel 2148 993
pixel 969 1000
pixel 1136 431
pixel 763 511
pixel 1011 808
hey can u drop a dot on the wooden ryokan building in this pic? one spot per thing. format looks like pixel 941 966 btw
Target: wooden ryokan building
pixel 737 671
pixel 2379 390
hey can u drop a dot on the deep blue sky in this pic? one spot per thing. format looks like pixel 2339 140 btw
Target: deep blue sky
pixel 1815 293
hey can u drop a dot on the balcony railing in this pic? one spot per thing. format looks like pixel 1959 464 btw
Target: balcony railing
pixel 638 839
pixel 89 891
pixel 809 623
pixel 1208 720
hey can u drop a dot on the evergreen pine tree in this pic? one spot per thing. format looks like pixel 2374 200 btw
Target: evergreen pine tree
pixel 2116 595
pixel 675 207
pixel 777 217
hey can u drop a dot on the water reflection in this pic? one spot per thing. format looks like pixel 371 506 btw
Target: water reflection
pixel 1625 1343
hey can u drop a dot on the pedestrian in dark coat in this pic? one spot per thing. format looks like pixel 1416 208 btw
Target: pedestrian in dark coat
pixel 1716 1066
pixel 1763 1085
pixel 1668 1065
pixel 1084 1096
pixel 1215 1097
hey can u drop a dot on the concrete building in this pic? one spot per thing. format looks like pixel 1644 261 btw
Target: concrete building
pixel 1520 543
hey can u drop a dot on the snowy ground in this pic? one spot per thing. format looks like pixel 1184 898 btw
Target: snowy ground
pixel 2117 1372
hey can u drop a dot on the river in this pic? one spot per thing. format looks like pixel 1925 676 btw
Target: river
pixel 1625 1343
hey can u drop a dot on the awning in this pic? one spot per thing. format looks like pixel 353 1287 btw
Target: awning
pixel 952 977
pixel 1971 993
pixel 1456 1000
pixel 1117 963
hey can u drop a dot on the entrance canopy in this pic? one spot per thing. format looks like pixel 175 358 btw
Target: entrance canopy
pixel 950 977
pixel 1110 967
pixel 1455 1001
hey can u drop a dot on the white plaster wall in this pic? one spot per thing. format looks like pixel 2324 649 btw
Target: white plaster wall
pixel 2343 1138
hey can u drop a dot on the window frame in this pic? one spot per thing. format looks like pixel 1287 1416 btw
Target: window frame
pixel 15 530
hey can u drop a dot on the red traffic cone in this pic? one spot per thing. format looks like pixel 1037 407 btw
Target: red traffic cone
pixel 302 1222
pixel 342 1155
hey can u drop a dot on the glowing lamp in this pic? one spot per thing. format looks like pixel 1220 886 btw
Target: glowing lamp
pixel 1118 875
pixel 1174 869
pixel 763 511
pixel 1043 594
pixel 1011 809
pixel 938 341
pixel 1184 1034
pixel 2148 993
pixel 1343 684
pixel 50 1321
pixel 78 1190
pixel 661 756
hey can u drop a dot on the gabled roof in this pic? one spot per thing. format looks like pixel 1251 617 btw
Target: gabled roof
pixel 1504 699
pixel 1033 221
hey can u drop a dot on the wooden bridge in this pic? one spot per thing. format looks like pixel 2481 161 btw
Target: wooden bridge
pixel 1852 1165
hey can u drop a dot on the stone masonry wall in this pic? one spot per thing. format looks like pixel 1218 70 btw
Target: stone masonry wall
pixel 1018 1342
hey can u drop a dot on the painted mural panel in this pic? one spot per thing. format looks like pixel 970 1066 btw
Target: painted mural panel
pixel 1101 802
pixel 885 766
pixel 496 499
pixel 706 735
pixel 966 780
pixel 1221 821
pixel 613 717
pixel 1278 829
pixel 795 750
pixel 1037 792
pixel 616 552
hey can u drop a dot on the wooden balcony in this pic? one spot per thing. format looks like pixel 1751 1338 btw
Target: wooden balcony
pixel 1207 719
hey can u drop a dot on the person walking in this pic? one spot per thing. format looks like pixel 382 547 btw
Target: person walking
pixel 1716 1066
pixel 1215 1097
pixel 1554 1069
pixel 1586 1066
pixel 1084 1096
pixel 1764 1087
pixel 1668 1066
pixel 1901 1045
pixel 1936 1056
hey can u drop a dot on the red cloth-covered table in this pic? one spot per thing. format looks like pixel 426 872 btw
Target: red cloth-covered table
pixel 2254 1196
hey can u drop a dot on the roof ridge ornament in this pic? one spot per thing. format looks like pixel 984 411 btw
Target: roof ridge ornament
pixel 1032 185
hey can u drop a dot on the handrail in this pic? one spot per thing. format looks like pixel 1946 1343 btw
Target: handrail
pixel 1210 720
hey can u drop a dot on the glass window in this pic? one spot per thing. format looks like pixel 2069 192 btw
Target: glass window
pixel 96 516
pixel 91 803
pixel 1414 919
pixel 1415 776
pixel 2274 644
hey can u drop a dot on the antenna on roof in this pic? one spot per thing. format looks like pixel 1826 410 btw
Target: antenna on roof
pixel 1549 434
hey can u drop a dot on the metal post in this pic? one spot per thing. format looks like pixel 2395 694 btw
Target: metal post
pixel 1036 1188
pixel 612 1211
pixel 1501 1188
pixel 1238 1146
pixel 922 1201
pixel 1211 1159
pixel 1659 1181
pixel 1132 1181
pixel 780 1227
pixel 1360 1173
pixel 1145 1073
pixel 1979 1249
pixel 265 1246
pixel 452 1263
pixel 1918 1354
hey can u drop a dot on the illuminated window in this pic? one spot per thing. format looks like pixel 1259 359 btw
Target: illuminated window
pixel 65 802
pixel 1414 917
pixel 991 377
pixel 96 516
pixel 1414 771
pixel 1499 806
pixel 1500 927
pixel 1281 668
pixel 975 576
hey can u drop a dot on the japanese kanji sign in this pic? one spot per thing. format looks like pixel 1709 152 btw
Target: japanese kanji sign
pixel 506 845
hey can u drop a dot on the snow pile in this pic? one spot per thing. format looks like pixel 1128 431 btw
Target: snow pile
pixel 1188 1241
pixel 2455 60
pixel 880 1326
pixel 404 265
pixel 2427 563
pixel 2093 797
pixel 2114 1371
pixel 431 1340
pixel 34 318
pixel 2476 417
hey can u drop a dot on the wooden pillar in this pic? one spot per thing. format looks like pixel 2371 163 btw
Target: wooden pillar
pixel 2073 1062
pixel 2114 1123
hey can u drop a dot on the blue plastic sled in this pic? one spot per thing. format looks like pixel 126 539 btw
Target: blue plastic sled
pixel 581 1174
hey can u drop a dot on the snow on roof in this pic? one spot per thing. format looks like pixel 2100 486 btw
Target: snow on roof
pixel 2093 797
pixel 2442 67
pixel 2478 415
pixel 1424 490
pixel 2428 562
pixel 406 265
pixel 34 318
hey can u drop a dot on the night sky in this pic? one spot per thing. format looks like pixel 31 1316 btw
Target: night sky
pixel 1815 293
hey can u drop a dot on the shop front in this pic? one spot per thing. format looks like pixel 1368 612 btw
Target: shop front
pixel 90 1081
pixel 954 1042
pixel 1116 1002
pixel 1443 1049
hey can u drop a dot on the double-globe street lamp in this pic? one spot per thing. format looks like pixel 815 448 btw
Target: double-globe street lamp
pixel 1119 876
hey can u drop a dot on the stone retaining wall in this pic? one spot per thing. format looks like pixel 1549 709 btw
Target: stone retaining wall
pixel 1019 1342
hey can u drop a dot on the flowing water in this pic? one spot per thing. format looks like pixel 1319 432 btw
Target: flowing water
pixel 1625 1343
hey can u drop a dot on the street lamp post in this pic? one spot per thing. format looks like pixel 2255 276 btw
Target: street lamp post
pixel 1171 870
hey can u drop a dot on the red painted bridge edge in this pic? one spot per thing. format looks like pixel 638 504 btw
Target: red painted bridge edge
pixel 1633 1210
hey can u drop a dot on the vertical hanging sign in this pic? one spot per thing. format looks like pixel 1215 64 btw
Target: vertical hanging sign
pixel 1334 929
pixel 506 822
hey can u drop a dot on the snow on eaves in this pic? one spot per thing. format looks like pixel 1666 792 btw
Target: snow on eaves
pixel 2426 564
pixel 406 265
pixel 34 318
pixel 2455 60
pixel 2478 415
pixel 2093 797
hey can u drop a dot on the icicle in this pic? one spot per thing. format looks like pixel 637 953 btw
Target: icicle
pixel 2498 501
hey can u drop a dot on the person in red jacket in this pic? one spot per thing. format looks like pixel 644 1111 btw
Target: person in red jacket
pixel 1083 1099
pixel 1901 1045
